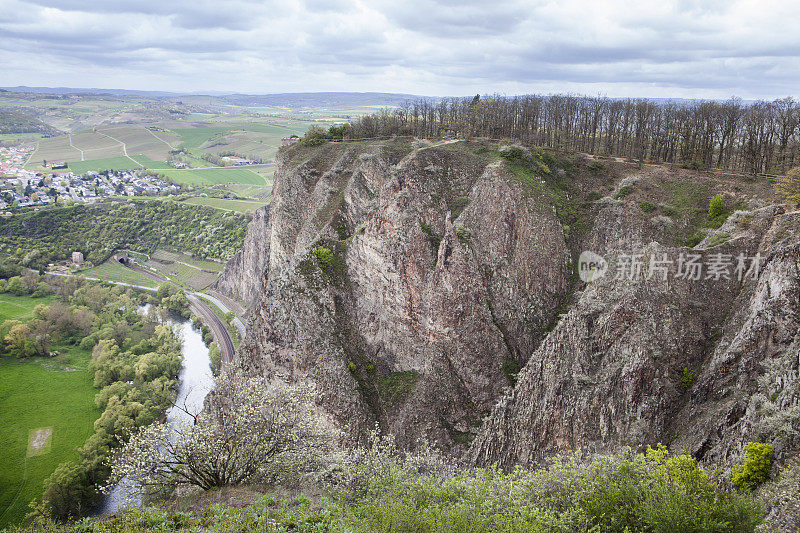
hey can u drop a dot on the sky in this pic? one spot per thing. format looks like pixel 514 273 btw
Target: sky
pixel 668 48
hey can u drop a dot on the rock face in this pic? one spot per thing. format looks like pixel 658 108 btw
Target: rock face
pixel 245 272
pixel 677 361
pixel 411 285
pixel 442 275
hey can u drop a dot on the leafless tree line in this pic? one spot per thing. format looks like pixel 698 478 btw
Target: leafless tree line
pixel 758 137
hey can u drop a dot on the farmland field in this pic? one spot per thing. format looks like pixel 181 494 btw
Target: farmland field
pixel 184 269
pixel 210 176
pixel 164 255
pixel 40 394
pixel 119 162
pixel 105 144
pixel 149 163
pixel 54 149
pixel 226 204
pixel 112 270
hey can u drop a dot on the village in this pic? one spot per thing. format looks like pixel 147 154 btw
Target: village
pixel 25 188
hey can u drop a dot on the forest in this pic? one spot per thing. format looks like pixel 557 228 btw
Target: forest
pixel 757 137
pixel 34 239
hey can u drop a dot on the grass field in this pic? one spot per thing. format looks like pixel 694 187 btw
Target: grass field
pixel 113 270
pixel 54 149
pixel 119 162
pixel 211 176
pixel 226 204
pixel 146 162
pixel 19 307
pixel 39 393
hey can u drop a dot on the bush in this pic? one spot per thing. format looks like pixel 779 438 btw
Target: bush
pixel 787 187
pixel 716 207
pixel 648 207
pixel 755 468
pixel 324 257
pixel 596 167
pixel 623 192
pixel 687 378
pixel 315 136
pixel 654 491
pixel 68 491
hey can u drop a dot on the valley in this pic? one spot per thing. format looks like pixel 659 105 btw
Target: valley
pixel 402 322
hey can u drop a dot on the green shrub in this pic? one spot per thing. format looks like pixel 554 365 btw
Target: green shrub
pixel 716 207
pixel 324 257
pixel 596 167
pixel 510 369
pixel 351 366
pixel 694 164
pixel 654 492
pixel 315 136
pixel 687 378
pixel 457 206
pixel 623 192
pixel 669 211
pixel 693 240
pixel 648 207
pixel 755 468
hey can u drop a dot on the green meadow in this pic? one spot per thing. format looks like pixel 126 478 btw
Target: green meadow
pixel 113 270
pixel 146 162
pixel 107 163
pixel 20 307
pixel 54 394
pixel 212 176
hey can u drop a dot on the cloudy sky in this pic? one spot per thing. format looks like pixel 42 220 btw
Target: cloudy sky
pixel 666 48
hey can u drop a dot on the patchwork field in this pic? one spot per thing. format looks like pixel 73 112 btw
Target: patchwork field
pixel 49 399
pixel 54 149
pixel 105 143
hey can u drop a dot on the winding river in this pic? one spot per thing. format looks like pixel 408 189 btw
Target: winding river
pixel 196 380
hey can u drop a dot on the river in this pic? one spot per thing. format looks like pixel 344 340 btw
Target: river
pixel 196 380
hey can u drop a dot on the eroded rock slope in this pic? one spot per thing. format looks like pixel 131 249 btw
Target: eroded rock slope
pixel 432 291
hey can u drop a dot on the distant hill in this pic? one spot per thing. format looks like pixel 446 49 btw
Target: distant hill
pixel 13 122
pixel 332 99
pixel 280 99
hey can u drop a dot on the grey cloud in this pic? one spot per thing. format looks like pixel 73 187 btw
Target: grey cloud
pixel 427 46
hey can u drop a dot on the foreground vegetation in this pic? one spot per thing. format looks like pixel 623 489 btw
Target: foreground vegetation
pixel 378 490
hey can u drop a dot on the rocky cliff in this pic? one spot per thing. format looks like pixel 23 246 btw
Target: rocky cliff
pixel 432 290
pixel 246 271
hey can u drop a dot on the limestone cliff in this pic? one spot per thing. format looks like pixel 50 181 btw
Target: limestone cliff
pixel 432 290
